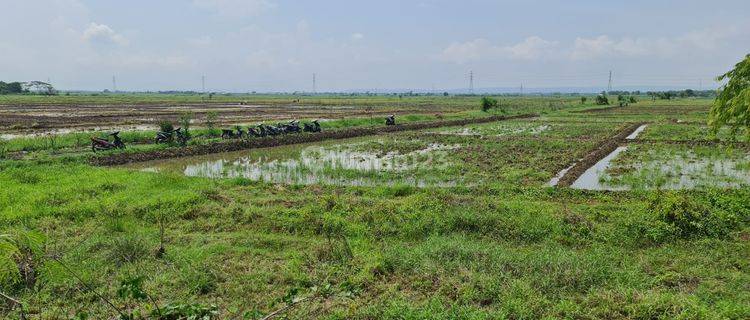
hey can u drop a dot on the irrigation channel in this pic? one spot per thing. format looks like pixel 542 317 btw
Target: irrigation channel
pixel 587 169
pixel 267 142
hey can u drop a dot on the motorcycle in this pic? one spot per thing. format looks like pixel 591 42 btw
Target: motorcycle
pixel 291 127
pixel 312 127
pixel 102 144
pixel 390 120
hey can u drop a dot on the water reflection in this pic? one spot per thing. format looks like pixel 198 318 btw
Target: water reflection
pixel 350 163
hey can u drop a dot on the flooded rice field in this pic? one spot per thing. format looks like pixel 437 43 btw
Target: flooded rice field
pixel 352 162
pixel 668 167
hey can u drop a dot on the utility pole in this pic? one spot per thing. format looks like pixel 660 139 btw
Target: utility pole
pixel 522 89
pixel 700 84
pixel 114 84
pixel 203 84
pixel 609 86
pixel 471 82
pixel 315 84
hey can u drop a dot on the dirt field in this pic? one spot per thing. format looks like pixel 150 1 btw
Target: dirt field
pixel 42 118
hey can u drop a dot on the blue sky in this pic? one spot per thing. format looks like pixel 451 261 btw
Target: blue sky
pixel 276 45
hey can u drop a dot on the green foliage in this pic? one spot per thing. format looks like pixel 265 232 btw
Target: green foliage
pixel 488 103
pixel 185 120
pixel 687 218
pixel 211 118
pixel 166 126
pixel 11 88
pixel 602 99
pixel 732 105
pixel 583 100
pixel 19 250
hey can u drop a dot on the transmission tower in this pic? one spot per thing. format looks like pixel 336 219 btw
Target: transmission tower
pixel 203 84
pixel 114 84
pixel 471 82
pixel 314 83
pixel 609 86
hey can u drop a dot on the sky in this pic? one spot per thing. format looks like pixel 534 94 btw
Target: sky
pixel 277 45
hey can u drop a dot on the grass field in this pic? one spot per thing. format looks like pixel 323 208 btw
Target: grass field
pixel 485 238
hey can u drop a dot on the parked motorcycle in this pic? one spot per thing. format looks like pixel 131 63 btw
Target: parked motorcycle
pixel 390 120
pixel 101 144
pixel 312 127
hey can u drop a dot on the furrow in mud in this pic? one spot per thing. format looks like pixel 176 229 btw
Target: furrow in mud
pixel 236 145
pixel 599 153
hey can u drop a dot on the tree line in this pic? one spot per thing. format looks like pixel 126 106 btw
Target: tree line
pixel 32 87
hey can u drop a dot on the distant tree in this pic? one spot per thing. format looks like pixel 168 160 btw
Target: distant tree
pixel 632 99
pixel 732 104
pixel 488 103
pixel 11 88
pixel 40 87
pixel 602 99
pixel 583 100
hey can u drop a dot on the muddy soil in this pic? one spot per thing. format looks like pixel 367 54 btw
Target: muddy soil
pixel 35 118
pixel 236 145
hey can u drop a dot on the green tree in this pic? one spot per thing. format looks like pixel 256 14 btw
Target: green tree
pixel 732 105
pixel 602 99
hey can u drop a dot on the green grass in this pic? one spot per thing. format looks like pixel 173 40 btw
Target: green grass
pixel 500 246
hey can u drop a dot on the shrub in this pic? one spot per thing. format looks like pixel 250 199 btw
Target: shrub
pixel 583 100
pixel 185 119
pixel 601 99
pixel 488 103
pixel 211 118
pixel 166 126
pixel 689 218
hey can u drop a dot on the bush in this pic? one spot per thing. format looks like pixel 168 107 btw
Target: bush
pixel 602 100
pixel 185 119
pixel 488 103
pixel 583 100
pixel 689 218
pixel 166 126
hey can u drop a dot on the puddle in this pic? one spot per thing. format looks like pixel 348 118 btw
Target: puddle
pixel 590 180
pixel 337 163
pixel 635 133
pixel 687 171
pixel 495 131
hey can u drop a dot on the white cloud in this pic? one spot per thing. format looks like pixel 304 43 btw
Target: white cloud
pixel 531 48
pixel 357 36
pixel 103 33
pixel 235 8
pixel 698 41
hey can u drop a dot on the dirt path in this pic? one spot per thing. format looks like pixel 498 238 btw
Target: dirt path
pixel 599 153
pixel 236 145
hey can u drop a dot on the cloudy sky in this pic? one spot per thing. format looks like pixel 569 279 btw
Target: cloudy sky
pixel 276 45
